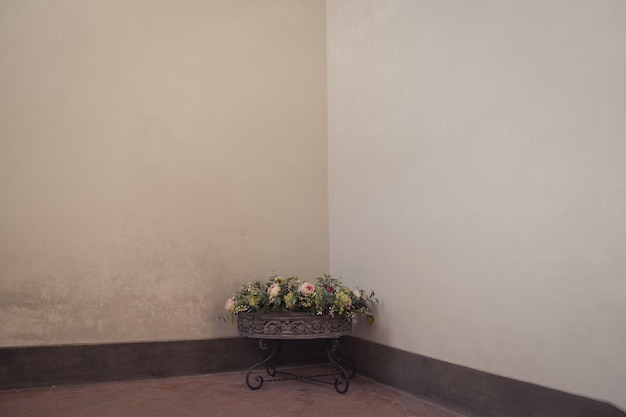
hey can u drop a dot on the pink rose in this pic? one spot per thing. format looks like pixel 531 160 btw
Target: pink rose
pixel 307 289
pixel 273 290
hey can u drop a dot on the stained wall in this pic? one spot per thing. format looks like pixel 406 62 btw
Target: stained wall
pixel 154 155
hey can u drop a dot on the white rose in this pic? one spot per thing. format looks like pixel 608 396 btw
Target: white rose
pixel 230 305
pixel 273 290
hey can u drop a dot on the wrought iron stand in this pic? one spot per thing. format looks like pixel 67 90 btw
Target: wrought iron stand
pixel 272 328
pixel 343 366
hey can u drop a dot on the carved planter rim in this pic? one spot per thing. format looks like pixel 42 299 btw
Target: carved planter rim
pixel 286 325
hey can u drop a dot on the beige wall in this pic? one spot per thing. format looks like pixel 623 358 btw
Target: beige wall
pixel 478 181
pixel 153 156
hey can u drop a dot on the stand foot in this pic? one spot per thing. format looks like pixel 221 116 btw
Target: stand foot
pixel 270 367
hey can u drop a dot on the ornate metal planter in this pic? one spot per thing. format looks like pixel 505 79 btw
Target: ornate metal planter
pixel 292 326
pixel 273 328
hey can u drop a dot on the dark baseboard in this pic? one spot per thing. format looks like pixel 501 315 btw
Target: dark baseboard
pixel 37 366
pixel 466 390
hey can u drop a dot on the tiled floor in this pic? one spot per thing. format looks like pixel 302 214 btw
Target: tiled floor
pixel 215 395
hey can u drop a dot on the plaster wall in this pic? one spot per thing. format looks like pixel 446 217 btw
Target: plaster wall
pixel 154 155
pixel 478 182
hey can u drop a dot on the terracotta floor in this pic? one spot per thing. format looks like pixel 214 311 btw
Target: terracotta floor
pixel 216 395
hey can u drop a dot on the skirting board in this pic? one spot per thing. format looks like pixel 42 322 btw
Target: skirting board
pixel 36 366
pixel 466 390
pixel 469 391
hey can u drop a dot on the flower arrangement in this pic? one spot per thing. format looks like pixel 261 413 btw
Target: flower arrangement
pixel 327 296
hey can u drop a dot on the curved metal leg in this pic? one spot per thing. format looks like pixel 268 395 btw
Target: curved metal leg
pixel 338 357
pixel 342 382
pixel 270 367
